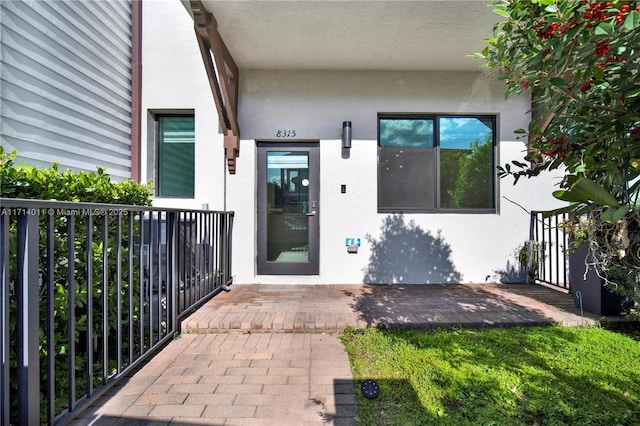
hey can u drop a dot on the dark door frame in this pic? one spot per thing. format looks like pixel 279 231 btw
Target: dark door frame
pixel 264 266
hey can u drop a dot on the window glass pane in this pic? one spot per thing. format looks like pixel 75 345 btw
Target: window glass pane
pixel 406 132
pixel 287 206
pixel 406 178
pixel 176 156
pixel 466 162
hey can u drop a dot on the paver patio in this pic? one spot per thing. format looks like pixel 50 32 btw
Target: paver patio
pixel 296 308
pixel 271 354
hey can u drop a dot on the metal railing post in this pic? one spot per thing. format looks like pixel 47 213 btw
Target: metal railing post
pixel 71 315
pixel 229 245
pixel 173 281
pixel 89 288
pixel 4 320
pixel 532 225
pixel 28 320
pixel 50 326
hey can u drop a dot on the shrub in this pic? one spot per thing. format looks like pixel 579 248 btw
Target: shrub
pixel 579 62
pixel 30 182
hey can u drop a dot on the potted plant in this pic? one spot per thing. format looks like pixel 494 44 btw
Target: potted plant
pixel 595 290
pixel 529 259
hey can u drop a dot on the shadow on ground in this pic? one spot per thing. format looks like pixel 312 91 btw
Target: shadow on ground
pixel 512 273
pixel 499 378
pixel 383 410
pixel 346 410
pixel 463 305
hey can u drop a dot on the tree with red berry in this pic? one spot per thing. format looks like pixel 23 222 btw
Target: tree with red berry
pixel 580 61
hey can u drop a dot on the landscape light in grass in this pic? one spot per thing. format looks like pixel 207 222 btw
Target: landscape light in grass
pixel 370 389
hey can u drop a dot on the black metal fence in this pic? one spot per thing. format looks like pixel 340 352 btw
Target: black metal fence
pixel 89 291
pixel 553 264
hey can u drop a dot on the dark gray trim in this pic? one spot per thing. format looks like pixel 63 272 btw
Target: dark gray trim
pixel 435 116
pixel 153 151
pixel 27 286
pixel 4 321
pixel 265 267
pixel 136 88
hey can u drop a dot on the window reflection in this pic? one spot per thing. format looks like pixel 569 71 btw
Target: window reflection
pixel 424 167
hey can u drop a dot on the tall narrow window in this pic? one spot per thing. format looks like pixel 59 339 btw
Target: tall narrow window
pixel 429 163
pixel 467 167
pixel 176 156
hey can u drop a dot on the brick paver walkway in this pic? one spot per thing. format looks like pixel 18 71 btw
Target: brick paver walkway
pixel 236 379
pixel 312 308
pixel 271 354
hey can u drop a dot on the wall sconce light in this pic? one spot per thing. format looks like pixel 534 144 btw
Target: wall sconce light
pixel 346 134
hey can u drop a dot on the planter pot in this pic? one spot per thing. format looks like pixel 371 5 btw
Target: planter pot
pixel 597 298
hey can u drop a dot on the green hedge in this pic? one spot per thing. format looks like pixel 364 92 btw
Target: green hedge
pixel 25 181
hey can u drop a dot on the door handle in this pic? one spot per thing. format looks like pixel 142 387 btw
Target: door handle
pixel 313 213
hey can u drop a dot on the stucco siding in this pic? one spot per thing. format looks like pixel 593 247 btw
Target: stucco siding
pixel 175 81
pixel 66 83
pixel 476 247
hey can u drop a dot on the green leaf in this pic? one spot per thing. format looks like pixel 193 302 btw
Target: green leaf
pixel 552 213
pixel 619 213
pixel 633 94
pixel 483 55
pixel 598 73
pixel 604 29
pixel 520 131
pixel 558 53
pixel 568 196
pixel 572 179
pixel 592 191
pixel 558 82
pixel 614 215
pixel 580 168
pixel 501 12
pixel 632 21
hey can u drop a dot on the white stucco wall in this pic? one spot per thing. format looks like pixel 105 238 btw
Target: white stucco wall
pixel 314 104
pixel 174 80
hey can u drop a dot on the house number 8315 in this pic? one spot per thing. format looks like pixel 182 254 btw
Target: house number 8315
pixel 286 134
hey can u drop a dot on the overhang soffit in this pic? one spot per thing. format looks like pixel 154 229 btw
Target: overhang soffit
pixel 422 35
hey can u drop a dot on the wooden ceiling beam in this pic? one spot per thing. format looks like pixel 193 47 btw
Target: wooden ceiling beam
pixel 223 74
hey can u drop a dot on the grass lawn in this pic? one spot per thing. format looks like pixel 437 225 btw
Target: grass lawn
pixel 497 376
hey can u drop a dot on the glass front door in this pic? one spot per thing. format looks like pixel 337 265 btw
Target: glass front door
pixel 288 208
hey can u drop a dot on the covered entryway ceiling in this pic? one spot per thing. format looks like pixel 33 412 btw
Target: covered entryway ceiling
pixel 423 35
pixel 374 35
